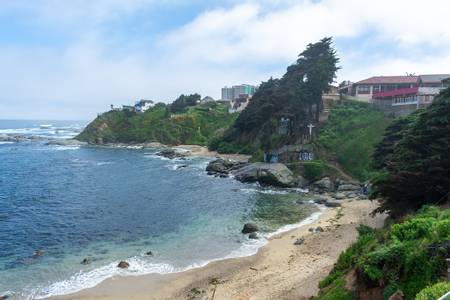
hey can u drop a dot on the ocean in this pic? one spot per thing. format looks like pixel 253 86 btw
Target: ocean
pixel 113 204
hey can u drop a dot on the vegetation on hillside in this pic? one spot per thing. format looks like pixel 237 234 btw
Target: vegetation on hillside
pixel 408 256
pixel 414 159
pixel 197 125
pixel 297 96
pixel 350 135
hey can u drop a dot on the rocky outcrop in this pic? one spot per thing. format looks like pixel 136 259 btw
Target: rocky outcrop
pixel 266 174
pixel 324 184
pixel 66 142
pixel 253 236
pixel 348 187
pixel 171 154
pixel 249 228
pixel 222 166
pixel 123 265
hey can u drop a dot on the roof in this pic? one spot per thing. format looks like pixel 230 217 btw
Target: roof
pixel 407 91
pixel 432 78
pixel 389 80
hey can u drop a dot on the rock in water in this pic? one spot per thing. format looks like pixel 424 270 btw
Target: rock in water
pixel 170 153
pixel 253 236
pixel 266 174
pixel 149 253
pixel 324 184
pixel 123 265
pixel 38 253
pixel 249 228
pixel 86 261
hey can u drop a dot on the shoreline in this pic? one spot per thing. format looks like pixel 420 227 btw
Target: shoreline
pixel 279 269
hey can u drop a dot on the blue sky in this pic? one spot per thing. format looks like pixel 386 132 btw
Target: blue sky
pixel 71 59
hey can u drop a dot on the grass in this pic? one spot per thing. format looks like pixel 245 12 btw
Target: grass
pixel 351 132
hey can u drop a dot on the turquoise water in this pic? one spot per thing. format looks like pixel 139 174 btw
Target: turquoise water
pixel 110 204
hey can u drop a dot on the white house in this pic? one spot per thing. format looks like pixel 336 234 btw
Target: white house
pixel 143 105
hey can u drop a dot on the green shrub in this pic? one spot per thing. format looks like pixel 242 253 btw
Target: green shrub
pixel 313 170
pixel 434 292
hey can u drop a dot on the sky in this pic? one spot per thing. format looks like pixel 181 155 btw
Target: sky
pixel 71 59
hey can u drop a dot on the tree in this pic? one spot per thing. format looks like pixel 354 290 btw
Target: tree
pixel 294 95
pixel 184 101
pixel 416 165
pixel 313 73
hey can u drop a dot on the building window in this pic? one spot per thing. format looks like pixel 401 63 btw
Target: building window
pixel 376 89
pixel 364 89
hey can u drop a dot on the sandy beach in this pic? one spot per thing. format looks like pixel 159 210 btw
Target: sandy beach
pixel 280 270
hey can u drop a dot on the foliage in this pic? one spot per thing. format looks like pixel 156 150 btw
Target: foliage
pixel 415 159
pixel 336 291
pixel 183 102
pixel 351 133
pixel 198 125
pixel 434 292
pixel 313 170
pixel 408 256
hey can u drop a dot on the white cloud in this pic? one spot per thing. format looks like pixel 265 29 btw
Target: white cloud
pixel 245 42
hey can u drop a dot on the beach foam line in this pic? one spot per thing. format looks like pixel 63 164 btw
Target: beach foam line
pixel 139 267
pixel 5 143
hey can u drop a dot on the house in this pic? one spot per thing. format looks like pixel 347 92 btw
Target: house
pixel 207 99
pixel 401 102
pixel 128 108
pixel 367 88
pixel 115 108
pixel 143 105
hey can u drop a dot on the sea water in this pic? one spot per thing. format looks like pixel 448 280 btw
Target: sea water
pixel 111 204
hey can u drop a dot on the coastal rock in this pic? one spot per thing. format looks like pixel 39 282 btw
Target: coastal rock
pixel 38 253
pixel 299 242
pixel 253 236
pixel 332 204
pixel 324 184
pixel 171 154
pixel 66 142
pixel 319 229
pixel 348 187
pixel 4 297
pixel 149 253
pixel 249 228
pixel 86 260
pixel 266 174
pixel 339 196
pixel 123 265
pixel 320 200
pixel 221 166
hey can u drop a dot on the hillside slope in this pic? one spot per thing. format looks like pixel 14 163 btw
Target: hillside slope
pixel 349 137
pixel 196 126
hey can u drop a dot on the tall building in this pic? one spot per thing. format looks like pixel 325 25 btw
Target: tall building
pixel 235 92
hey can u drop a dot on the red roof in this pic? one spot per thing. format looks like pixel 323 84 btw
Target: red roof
pixel 389 80
pixel 407 91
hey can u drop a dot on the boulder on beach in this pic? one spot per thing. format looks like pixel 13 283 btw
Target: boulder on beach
pixel 299 241
pixel 266 174
pixel 332 204
pixel 324 184
pixel 123 265
pixel 348 187
pixel 339 196
pixel 249 228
